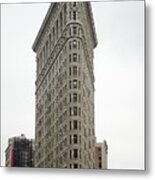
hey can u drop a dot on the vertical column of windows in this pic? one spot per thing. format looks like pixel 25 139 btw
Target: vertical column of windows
pixel 53 31
pixel 38 62
pixel 74 15
pixel 57 29
pixel 73 11
pixel 46 51
pixel 61 22
pixel 44 56
pixel 49 43
pixel 74 84
pixel 65 10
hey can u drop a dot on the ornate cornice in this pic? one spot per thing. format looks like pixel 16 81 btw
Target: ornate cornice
pixel 51 9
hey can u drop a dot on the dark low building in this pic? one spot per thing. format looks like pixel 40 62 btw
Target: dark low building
pixel 19 152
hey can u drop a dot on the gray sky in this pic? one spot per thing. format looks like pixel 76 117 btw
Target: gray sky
pixel 119 76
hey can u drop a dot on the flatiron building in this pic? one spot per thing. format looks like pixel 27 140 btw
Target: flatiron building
pixel 64 123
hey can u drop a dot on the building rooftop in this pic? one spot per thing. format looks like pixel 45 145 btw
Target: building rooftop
pixel 45 21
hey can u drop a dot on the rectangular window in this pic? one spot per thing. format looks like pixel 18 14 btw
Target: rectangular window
pixel 70 84
pixel 70 111
pixel 74 30
pixel 53 35
pixel 70 153
pixel 75 138
pixel 74 15
pixel 70 15
pixel 70 98
pixel 49 43
pixel 75 153
pixel 75 166
pixel 70 125
pixel 70 72
pixel 70 58
pixel 47 49
pixel 75 124
pixel 89 144
pixel 78 44
pixel 57 29
pixel 74 83
pixel 70 139
pixel 74 97
pixel 65 14
pixel 44 54
pixel 61 20
pixel 74 4
pixel 74 57
pixel 75 111
pixel 75 70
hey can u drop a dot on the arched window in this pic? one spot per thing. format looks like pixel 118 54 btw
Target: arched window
pixel 75 44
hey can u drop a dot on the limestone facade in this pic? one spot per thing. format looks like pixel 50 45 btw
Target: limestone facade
pixel 64 123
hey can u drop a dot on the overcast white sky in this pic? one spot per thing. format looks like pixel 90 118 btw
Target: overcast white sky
pixel 119 75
